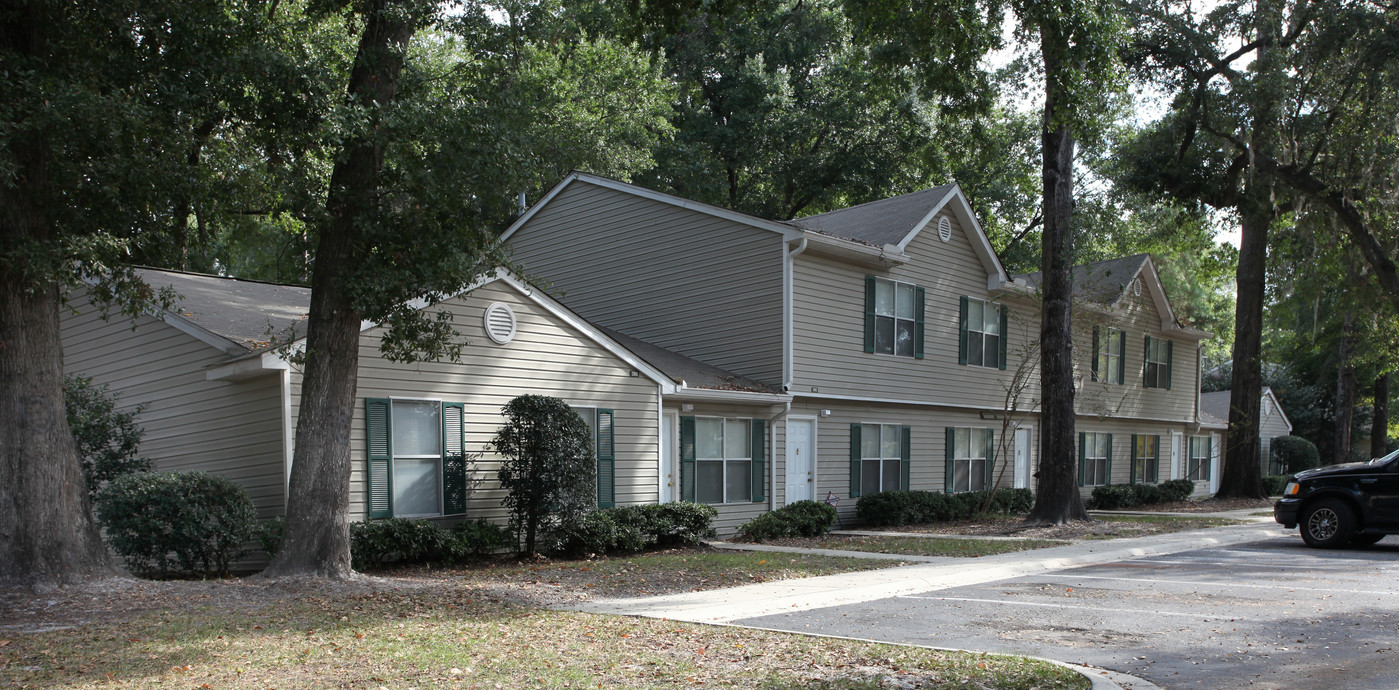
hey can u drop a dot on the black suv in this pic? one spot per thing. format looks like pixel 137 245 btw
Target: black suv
pixel 1343 505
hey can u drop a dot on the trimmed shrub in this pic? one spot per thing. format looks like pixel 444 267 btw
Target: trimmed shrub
pixel 1294 454
pixel 1148 494
pixel 169 524
pixel 799 519
pixel 1112 497
pixel 1273 484
pixel 472 539
pixel 635 528
pixel 894 508
pixel 397 540
pixel 1177 490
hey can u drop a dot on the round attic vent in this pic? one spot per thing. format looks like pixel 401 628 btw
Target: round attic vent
pixel 1137 287
pixel 944 229
pixel 500 323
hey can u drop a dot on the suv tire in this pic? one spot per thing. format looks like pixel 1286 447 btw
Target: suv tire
pixel 1327 524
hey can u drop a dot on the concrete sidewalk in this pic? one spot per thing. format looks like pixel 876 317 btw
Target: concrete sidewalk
pixel 927 574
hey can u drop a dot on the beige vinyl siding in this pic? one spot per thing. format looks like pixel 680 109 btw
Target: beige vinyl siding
pixel 547 357
pixel 927 455
pixel 1270 426
pixel 1122 430
pixel 229 428
pixel 1137 315
pixel 828 328
pixel 698 285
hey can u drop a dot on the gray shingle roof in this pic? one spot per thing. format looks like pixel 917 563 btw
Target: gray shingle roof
pixel 1216 404
pixel 1102 281
pixel 694 373
pixel 246 312
pixel 877 223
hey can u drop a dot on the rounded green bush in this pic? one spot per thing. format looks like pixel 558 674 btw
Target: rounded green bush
pixel 1177 490
pixel 168 524
pixel 1294 454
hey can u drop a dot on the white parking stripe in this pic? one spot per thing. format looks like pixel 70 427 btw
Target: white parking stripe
pixel 1288 588
pixel 1080 607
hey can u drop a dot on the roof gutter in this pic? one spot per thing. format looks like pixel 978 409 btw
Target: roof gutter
pixel 869 255
pixel 685 393
pixel 247 367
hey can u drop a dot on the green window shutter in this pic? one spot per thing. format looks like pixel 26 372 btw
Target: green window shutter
pixel 1145 359
pixel 453 458
pixel 990 457
pixel 949 456
pixel 1156 475
pixel 962 333
pixel 1005 335
pixel 905 457
pixel 1082 458
pixel 380 471
pixel 1094 368
pixel 918 324
pixel 1132 472
pixel 869 313
pixel 854 460
pixel 1107 473
pixel 1170 350
pixel 606 459
pixel 760 474
pixel 687 459
pixel 1121 356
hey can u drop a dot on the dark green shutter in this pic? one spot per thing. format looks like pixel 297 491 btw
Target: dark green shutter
pixel 1146 361
pixel 453 458
pixel 687 459
pixel 1107 472
pixel 949 471
pixel 918 324
pixel 990 457
pixel 380 475
pixel 1082 458
pixel 1005 337
pixel 1132 473
pixel 1170 350
pixel 759 439
pixel 869 313
pixel 606 459
pixel 1121 356
pixel 962 333
pixel 905 457
pixel 1094 368
pixel 1156 476
pixel 854 460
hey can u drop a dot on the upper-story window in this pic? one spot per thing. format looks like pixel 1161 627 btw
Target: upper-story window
pixel 1109 352
pixel 1157 372
pixel 983 328
pixel 893 318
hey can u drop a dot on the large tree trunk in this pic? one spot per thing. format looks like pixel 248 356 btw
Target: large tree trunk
pixel 1379 424
pixel 1242 477
pixel 317 540
pixel 1345 392
pixel 47 534
pixel 1057 497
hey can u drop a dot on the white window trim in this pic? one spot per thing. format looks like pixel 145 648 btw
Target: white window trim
pixel 724 461
pixel 1158 347
pixel 1090 449
pixel 969 459
pixel 394 456
pixel 1191 457
pixel 898 431
pixel 981 334
pixel 1156 455
pixel 894 352
pixel 1107 353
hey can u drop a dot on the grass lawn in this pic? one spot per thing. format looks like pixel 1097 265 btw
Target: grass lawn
pixel 920 546
pixel 453 629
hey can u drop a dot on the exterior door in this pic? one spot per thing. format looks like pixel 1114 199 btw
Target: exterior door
pixel 669 460
pixel 1176 471
pixel 801 462
pixel 1216 455
pixel 1022 458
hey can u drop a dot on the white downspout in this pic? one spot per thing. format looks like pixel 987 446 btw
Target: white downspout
pixel 788 306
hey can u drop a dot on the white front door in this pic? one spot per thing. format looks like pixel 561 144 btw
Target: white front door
pixel 1216 457
pixel 669 463
pixel 801 466
pixel 1176 471
pixel 1022 458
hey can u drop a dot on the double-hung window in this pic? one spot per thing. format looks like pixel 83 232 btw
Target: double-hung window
pixel 1109 352
pixel 893 318
pixel 879 458
pixel 1146 458
pixel 417 462
pixel 982 334
pixel 1094 458
pixel 600 429
pixel 1157 372
pixel 723 460
pixel 970 456
pixel 1198 465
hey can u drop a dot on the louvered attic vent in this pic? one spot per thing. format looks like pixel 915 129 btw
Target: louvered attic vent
pixel 500 323
pixel 944 229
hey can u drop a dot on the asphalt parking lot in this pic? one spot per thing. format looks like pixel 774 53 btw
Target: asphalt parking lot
pixel 1267 613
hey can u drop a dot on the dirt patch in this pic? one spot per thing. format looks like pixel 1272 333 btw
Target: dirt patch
pixel 1108 528
pixel 1209 505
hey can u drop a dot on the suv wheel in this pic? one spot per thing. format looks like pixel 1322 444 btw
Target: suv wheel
pixel 1327 524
